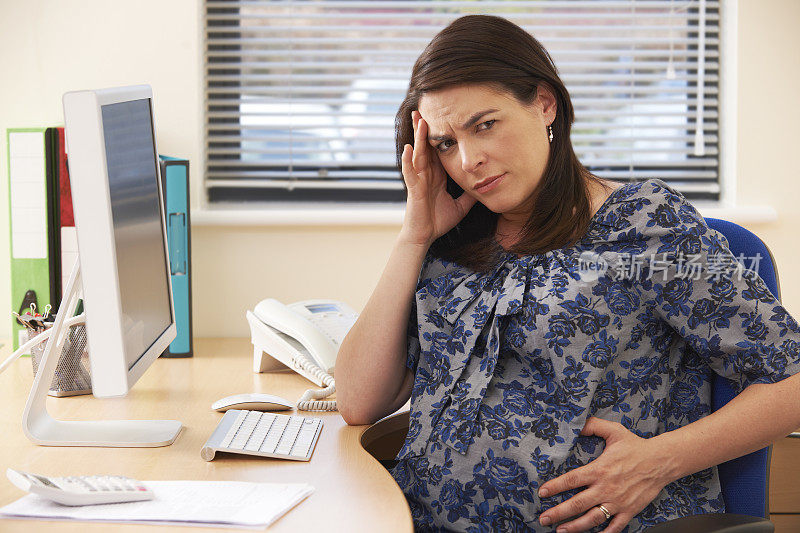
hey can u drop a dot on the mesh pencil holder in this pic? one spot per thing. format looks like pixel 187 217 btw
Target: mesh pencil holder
pixel 73 376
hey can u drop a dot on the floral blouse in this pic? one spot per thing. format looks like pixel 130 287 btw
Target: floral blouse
pixel 627 325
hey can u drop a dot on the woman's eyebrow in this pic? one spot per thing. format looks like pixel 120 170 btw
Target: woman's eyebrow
pixel 472 120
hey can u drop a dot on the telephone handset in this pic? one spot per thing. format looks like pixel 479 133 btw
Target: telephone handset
pixel 305 336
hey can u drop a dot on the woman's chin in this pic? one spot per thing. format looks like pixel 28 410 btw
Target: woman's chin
pixel 497 205
pixel 489 205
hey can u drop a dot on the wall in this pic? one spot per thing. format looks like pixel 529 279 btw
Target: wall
pixel 768 135
pixel 51 47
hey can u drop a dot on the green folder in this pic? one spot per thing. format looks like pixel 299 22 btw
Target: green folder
pixel 32 213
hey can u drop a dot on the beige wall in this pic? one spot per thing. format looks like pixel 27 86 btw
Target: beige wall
pixel 769 129
pixel 49 47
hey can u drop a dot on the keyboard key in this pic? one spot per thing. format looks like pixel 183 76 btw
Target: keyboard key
pixel 260 433
pixel 300 451
pixel 287 441
pixel 269 446
pixel 226 442
pixel 246 430
pixel 267 419
pixel 254 444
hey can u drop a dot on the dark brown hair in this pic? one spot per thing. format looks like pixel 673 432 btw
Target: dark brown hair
pixel 494 52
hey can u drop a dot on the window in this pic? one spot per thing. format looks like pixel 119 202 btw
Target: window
pixel 301 94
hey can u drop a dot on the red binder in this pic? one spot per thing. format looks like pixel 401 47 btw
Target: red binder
pixel 64 192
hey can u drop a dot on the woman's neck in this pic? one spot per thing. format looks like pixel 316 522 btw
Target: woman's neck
pixel 507 231
pixel 509 228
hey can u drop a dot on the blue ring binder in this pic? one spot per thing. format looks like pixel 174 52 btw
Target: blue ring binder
pixel 175 186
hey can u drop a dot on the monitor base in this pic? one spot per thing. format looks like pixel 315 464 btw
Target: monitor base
pixel 104 433
pixel 44 430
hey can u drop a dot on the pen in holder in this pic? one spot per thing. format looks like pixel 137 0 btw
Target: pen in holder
pixel 72 376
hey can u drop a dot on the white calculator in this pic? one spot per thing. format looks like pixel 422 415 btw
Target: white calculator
pixel 81 490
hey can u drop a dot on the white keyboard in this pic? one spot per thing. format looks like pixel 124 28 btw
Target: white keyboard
pixel 264 434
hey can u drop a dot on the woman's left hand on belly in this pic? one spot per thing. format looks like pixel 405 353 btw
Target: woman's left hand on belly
pixel 627 476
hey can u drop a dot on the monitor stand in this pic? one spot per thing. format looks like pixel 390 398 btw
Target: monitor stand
pixel 43 429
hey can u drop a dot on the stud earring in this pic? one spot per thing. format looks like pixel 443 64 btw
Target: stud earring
pixel 550 131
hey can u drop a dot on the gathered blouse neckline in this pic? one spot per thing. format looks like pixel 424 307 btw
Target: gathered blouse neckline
pixel 595 220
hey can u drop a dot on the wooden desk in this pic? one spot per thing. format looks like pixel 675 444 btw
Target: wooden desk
pixel 784 485
pixel 353 492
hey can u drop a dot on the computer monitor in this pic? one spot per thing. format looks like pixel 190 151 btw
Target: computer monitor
pixel 123 267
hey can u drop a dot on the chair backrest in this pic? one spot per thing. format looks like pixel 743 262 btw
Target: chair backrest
pixel 745 481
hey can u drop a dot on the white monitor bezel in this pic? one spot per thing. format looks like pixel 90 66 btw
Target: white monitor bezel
pixel 96 246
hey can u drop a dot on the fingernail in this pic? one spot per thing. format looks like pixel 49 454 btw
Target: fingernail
pixel 544 493
pixel 545 520
pixel 561 530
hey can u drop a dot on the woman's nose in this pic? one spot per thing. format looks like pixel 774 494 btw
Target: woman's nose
pixel 472 157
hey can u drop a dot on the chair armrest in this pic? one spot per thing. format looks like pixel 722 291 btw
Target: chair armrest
pixel 715 523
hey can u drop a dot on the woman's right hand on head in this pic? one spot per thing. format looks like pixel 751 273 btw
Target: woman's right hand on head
pixel 430 210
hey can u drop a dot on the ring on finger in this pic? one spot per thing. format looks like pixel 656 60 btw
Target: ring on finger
pixel 605 511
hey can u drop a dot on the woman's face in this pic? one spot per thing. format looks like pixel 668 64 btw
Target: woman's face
pixel 480 133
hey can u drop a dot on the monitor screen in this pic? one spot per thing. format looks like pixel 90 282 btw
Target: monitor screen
pixel 138 233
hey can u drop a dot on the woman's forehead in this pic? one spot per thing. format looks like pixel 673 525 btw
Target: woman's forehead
pixel 454 107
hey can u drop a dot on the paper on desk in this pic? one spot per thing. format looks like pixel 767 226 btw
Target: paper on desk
pixel 202 503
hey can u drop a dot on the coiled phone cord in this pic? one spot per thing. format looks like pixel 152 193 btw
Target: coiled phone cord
pixel 312 398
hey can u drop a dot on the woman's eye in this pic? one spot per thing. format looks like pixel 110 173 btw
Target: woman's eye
pixel 445 145
pixel 440 146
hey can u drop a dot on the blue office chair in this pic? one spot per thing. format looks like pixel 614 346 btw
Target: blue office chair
pixel 745 481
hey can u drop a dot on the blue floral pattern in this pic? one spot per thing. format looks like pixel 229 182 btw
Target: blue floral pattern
pixel 509 364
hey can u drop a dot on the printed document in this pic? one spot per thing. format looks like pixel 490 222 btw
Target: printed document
pixel 203 503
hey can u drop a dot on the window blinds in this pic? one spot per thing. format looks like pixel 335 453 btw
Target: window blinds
pixel 301 94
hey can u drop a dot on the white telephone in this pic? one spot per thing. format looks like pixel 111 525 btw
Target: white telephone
pixel 305 336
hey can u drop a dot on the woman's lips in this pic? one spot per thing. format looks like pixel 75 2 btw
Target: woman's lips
pixel 491 185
